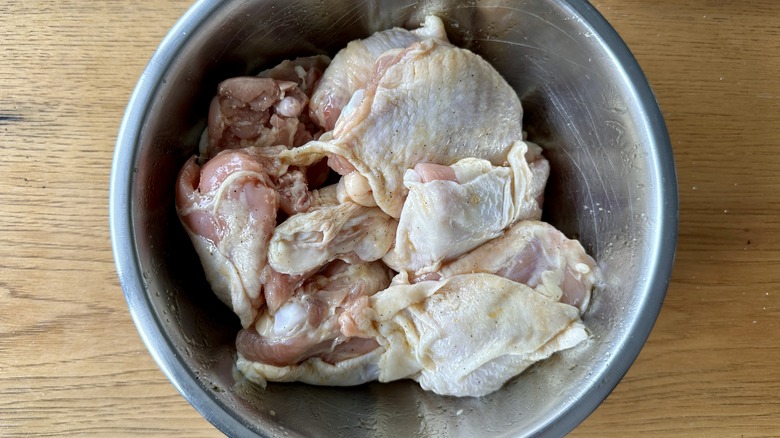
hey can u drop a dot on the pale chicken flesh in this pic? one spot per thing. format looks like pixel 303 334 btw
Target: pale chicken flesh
pixel 269 109
pixel 347 231
pixel 428 103
pixel 536 254
pixel 424 258
pixel 452 209
pixel 353 67
pixel 229 209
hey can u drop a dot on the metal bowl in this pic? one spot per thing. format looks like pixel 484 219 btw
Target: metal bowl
pixel 612 186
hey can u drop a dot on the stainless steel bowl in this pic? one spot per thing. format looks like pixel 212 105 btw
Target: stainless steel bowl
pixel 613 186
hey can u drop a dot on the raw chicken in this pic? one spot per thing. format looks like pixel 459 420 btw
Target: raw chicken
pixel 465 335
pixel 323 197
pixel 229 208
pixel 229 211
pixel 353 66
pixel 450 210
pixel 345 231
pixel 315 371
pixel 430 103
pixel 306 72
pixel 538 255
pixel 307 332
pixel 265 110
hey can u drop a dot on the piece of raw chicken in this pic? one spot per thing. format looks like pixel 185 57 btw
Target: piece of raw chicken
pixel 465 335
pixel 353 66
pixel 269 109
pixel 538 255
pixel 451 210
pixel 483 319
pixel 428 103
pixel 345 231
pixel 437 182
pixel 229 209
pixel 305 339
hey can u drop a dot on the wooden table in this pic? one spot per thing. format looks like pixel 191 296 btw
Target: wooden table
pixel 72 363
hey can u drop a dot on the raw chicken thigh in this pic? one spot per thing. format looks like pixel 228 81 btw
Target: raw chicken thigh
pixel 425 260
pixel 347 231
pixel 428 103
pixel 229 210
pixel 451 210
pixel 230 207
pixel 315 371
pixel 305 337
pixel 269 109
pixel 353 67
pixel 538 255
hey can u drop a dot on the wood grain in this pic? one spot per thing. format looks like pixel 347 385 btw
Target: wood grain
pixel 72 363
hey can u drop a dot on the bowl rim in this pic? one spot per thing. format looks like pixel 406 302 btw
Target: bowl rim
pixel 666 233
pixel 187 384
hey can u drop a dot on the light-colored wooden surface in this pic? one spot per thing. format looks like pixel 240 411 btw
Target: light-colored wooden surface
pixel 72 363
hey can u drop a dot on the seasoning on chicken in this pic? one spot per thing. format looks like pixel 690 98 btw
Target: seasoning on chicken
pixel 428 103
pixel 228 208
